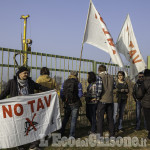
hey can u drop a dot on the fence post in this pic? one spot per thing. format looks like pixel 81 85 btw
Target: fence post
pixel 95 67
pixel 148 62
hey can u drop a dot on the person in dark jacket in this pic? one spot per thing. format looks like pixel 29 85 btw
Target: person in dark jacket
pixel 137 97
pixel 21 85
pixel 146 99
pixel 121 96
pixel 70 93
pixel 91 102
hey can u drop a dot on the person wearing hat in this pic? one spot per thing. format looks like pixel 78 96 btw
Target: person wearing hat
pixel 21 85
pixel 70 93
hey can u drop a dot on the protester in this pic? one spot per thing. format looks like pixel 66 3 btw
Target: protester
pixel 71 92
pixel 145 88
pixel 91 102
pixel 121 95
pixel 45 80
pixel 104 92
pixel 21 85
pixel 137 95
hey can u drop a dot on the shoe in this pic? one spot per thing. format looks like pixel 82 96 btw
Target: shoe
pixel 120 130
pixel 137 129
pixel 116 130
pixel 148 138
pixel 99 142
pixel 21 148
pixel 145 130
pixel 35 148
pixel 90 132
pixel 112 140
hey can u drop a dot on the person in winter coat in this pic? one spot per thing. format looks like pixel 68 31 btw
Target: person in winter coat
pixel 137 97
pixel 104 94
pixel 146 99
pixel 21 85
pixel 45 80
pixel 91 101
pixel 70 93
pixel 121 96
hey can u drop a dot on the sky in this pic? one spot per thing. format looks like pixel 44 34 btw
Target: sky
pixel 57 26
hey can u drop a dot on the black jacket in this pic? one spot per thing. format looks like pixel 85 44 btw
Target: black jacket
pixel 137 94
pixel 146 93
pixel 12 88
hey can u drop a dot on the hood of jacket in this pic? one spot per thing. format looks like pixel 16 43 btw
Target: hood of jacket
pixel 44 78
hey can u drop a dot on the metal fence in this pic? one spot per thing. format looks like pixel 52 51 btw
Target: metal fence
pixel 59 67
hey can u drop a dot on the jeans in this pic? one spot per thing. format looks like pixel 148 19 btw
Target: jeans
pixel 74 112
pixel 101 109
pixel 121 107
pixel 115 112
pixel 146 115
pixel 91 115
pixel 138 115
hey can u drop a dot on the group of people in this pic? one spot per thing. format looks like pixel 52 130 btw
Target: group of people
pixel 104 95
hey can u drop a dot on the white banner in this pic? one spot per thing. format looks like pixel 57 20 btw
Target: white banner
pixel 97 34
pixel 127 45
pixel 24 119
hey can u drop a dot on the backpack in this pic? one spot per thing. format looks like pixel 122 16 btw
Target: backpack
pixel 70 91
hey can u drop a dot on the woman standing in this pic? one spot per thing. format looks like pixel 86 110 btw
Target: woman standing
pixel 91 102
pixel 121 96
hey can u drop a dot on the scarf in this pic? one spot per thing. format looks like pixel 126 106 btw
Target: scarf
pixel 22 87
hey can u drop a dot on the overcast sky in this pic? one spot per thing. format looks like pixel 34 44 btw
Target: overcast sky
pixel 57 26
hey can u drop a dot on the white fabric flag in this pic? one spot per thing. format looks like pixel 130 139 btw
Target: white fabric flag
pixel 97 34
pixel 127 45
pixel 24 119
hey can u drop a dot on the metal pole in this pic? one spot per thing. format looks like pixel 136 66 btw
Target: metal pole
pixel 83 39
pixel 148 62
pixel 25 45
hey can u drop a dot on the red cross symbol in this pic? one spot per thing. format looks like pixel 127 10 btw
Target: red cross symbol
pixel 31 124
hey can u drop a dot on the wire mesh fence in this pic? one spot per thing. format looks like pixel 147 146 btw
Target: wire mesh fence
pixel 59 67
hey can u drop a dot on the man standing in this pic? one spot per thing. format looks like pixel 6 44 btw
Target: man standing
pixel 146 99
pixel 71 92
pixel 137 95
pixel 104 88
pixel 21 85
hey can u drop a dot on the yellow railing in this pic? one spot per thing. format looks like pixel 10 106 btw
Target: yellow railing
pixel 59 67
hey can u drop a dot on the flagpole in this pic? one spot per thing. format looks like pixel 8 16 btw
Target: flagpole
pixel 83 40
pixel 108 64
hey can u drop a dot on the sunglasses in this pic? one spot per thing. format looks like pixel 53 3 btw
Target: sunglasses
pixel 141 76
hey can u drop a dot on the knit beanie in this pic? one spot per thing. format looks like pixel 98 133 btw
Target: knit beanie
pixel 21 69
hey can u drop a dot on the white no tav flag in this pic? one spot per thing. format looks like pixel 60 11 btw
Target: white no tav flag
pixel 24 119
pixel 127 45
pixel 97 34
